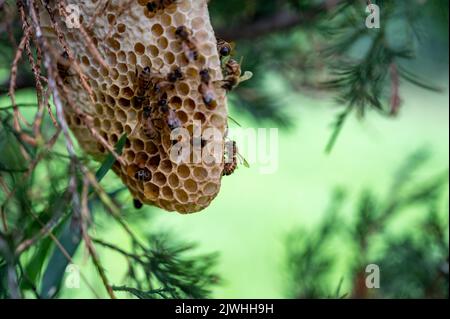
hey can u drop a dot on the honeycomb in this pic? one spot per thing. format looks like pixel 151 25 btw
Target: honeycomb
pixel 130 40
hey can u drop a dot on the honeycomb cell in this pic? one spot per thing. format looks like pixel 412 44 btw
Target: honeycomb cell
pixel 127 92
pixel 182 116
pixel 176 102
pixel 210 189
pixel 122 68
pixel 141 158
pixel 200 173
pixel 199 116
pixel 153 50
pixel 159 179
pixel 167 193
pixel 121 56
pixel 190 186
pixel 124 102
pixel 131 57
pixel 114 73
pixel 166 166
pixel 137 145
pixel 169 58
pixel 121 28
pixel 183 171
pixel 151 148
pixel 118 127
pixel 154 161
pixel 139 48
pixel 130 155
pixel 163 43
pixel 151 191
pixel 181 196
pixel 166 20
pixel 183 89
pixel 189 104
pixel 114 90
pixel 106 125
pixel 111 18
pixel 157 30
pixel 113 44
pixel 174 181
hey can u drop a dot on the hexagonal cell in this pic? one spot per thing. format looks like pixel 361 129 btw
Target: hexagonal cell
pixel 151 191
pixel 183 171
pixel 200 173
pixel 159 179
pixel 174 181
pixel 190 186
pixel 181 196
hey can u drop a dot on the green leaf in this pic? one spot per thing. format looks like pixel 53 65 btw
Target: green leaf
pixel 110 159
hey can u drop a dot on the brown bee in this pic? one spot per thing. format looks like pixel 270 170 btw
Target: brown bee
pixel 172 120
pixel 188 43
pixel 223 47
pixel 137 203
pixel 148 126
pixel 156 5
pixel 231 160
pixel 175 75
pixel 233 76
pixel 63 65
pixel 143 175
pixel 207 89
pixel 144 80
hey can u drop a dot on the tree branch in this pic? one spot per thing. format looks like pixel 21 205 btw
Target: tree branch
pixel 284 19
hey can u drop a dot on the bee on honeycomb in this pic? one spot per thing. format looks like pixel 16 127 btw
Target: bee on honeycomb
pixel 149 57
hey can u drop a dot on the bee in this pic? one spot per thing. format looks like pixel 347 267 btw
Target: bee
pixel 223 47
pixel 175 75
pixel 156 5
pixel 172 120
pixel 161 84
pixel 144 80
pixel 206 88
pixel 137 203
pixel 188 43
pixel 148 126
pixel 63 65
pixel 143 175
pixel 231 160
pixel 233 76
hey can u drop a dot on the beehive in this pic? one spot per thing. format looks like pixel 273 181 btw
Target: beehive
pixel 130 39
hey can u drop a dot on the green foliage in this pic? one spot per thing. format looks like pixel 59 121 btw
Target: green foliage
pixel 324 46
pixel 165 269
pixel 43 222
pixel 413 263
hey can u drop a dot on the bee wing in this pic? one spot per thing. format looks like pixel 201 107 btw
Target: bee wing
pixel 226 59
pixel 243 160
pixel 247 76
pixel 233 47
